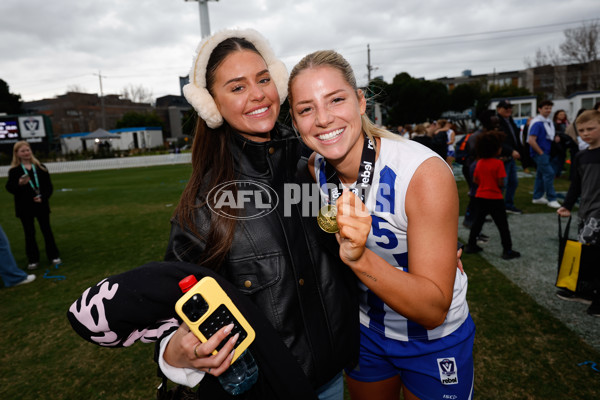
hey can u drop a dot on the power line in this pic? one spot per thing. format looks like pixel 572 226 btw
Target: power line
pixel 555 27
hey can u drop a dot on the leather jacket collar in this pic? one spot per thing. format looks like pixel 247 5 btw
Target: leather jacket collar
pixel 255 159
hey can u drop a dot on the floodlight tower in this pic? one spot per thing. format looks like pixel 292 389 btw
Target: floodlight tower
pixel 204 20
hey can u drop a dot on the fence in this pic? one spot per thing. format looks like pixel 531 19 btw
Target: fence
pixel 111 163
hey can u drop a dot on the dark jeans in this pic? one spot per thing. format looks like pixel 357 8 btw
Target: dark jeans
pixel 510 183
pixel 31 247
pixel 495 208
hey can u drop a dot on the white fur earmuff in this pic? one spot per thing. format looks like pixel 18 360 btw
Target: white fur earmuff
pixel 196 91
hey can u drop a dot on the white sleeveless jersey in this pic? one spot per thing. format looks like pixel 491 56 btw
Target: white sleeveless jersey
pixel 398 160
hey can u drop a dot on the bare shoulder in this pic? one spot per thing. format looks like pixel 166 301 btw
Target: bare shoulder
pixel 432 185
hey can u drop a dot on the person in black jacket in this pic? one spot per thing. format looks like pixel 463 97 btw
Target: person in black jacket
pixel 511 151
pixel 278 259
pixel 273 261
pixel 30 184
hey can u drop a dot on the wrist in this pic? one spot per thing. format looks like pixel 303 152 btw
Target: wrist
pixel 358 265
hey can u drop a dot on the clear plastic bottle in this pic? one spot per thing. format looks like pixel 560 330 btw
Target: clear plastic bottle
pixel 243 373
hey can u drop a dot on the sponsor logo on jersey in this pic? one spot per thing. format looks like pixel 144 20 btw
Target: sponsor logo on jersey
pixel 448 372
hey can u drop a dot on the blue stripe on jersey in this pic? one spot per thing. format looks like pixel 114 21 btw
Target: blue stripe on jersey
pixel 386 192
pixel 402 260
pixel 415 331
pixel 322 180
pixel 376 313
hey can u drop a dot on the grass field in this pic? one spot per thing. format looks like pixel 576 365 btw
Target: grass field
pixel 106 222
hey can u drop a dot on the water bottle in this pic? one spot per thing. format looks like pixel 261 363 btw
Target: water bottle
pixel 243 373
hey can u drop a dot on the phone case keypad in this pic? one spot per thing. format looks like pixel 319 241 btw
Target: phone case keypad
pixel 218 319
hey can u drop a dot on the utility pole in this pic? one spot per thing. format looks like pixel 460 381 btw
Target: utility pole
pixel 369 67
pixel 102 100
pixel 204 19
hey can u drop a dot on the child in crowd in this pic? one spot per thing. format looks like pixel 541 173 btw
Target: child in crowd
pixel 585 184
pixel 489 177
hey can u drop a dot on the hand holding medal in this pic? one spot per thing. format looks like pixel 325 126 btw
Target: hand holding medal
pixel 327 218
pixel 354 221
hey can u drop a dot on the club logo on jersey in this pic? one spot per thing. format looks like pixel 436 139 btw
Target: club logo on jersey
pixel 448 372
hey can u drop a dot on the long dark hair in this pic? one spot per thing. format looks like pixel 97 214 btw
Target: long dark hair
pixel 212 164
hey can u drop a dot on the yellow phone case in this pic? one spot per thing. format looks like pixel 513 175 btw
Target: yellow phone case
pixel 212 310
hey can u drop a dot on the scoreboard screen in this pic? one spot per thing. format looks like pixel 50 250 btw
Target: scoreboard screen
pixel 29 127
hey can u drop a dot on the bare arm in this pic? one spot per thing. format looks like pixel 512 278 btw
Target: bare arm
pixel 425 293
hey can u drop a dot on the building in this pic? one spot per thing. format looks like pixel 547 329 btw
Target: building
pixel 558 82
pixel 525 107
pixel 514 78
pixel 547 81
pixel 124 139
pixel 173 108
pixel 85 112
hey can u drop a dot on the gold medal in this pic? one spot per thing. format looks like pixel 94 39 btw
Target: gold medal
pixel 327 219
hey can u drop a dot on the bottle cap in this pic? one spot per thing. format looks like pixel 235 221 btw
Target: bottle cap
pixel 187 283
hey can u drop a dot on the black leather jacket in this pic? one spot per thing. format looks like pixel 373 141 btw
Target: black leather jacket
pixel 510 142
pixel 287 266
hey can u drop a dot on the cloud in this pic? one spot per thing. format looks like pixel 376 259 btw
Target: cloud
pixel 49 46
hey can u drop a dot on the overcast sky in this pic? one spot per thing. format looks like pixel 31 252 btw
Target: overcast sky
pixel 48 47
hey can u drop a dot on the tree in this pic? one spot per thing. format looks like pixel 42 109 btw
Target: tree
pixel 581 44
pixel 464 96
pixel 76 89
pixel 137 94
pixel 134 119
pixel 9 103
pixel 549 56
pixel 413 100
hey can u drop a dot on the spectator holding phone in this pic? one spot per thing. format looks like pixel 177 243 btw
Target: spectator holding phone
pixel 236 86
pixel 30 184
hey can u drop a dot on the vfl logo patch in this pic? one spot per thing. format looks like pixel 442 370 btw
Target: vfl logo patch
pixel 32 125
pixel 448 372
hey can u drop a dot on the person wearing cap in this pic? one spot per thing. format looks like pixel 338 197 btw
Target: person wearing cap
pixel 540 137
pixel 279 261
pixel 511 151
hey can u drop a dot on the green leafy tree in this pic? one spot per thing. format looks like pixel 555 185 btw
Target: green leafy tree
pixel 464 96
pixel 9 103
pixel 413 100
pixel 134 119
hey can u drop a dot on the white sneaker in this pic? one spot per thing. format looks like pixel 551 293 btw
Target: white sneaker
pixel 554 204
pixel 30 278
pixel 56 261
pixel 541 200
pixel 33 266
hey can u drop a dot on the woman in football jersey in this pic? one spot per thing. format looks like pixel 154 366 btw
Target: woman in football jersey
pixel 416 330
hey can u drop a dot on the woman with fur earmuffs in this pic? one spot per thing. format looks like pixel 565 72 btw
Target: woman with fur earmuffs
pixel 271 258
